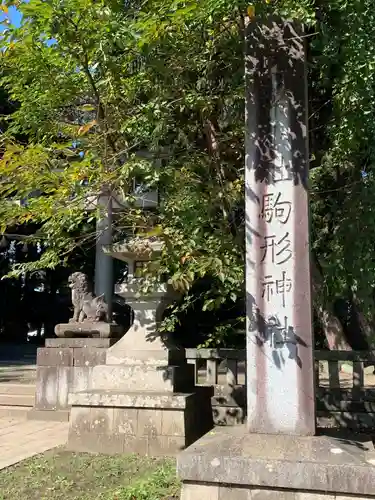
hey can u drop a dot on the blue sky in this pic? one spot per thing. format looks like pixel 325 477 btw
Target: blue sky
pixel 14 16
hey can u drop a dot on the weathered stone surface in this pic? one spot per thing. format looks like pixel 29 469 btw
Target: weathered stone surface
pixel 81 379
pixel 136 444
pixel 173 423
pixel 165 430
pixel 268 494
pixel 88 329
pixel 98 443
pixel 92 431
pixel 337 497
pixel 80 421
pixel 54 357
pixel 53 384
pixel 90 356
pixel 305 495
pixel 130 399
pixel 165 445
pixel 149 423
pixel 62 370
pixel 79 343
pixel 117 444
pixel 101 420
pixel 46 388
pixel 204 491
pixel 226 493
pixel 125 421
pixel 323 464
pixel 146 356
pixel 200 491
pixel 149 378
pixel 280 368
pixel 64 382
pixel 143 336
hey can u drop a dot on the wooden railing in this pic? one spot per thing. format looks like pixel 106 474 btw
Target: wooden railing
pixel 345 398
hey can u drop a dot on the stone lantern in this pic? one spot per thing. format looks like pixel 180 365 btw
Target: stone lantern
pixel 143 399
pixel 143 341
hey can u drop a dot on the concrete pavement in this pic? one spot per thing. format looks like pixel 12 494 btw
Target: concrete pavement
pixel 21 439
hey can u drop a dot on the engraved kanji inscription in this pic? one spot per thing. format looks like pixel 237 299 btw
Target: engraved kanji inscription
pixel 273 207
pixel 278 250
pixel 279 287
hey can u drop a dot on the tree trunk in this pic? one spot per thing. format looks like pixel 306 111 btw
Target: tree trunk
pixel 331 325
pixel 366 328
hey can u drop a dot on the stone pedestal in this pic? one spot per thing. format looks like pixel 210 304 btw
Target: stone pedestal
pixel 231 464
pixel 64 366
pixel 148 423
pixel 88 329
pixel 143 399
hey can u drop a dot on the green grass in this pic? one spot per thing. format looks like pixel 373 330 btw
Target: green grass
pixel 58 475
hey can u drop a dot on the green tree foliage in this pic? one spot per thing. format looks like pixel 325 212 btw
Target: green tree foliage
pixel 343 58
pixel 98 81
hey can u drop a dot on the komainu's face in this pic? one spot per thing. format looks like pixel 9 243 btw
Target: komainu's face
pixel 77 280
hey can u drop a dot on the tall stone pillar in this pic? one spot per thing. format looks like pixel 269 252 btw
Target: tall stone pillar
pixel 104 262
pixel 279 321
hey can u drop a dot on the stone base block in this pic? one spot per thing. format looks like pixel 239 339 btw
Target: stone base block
pixel 210 492
pixel 122 444
pixel 158 378
pixel 66 366
pixel 231 464
pixel 145 423
pixel 128 356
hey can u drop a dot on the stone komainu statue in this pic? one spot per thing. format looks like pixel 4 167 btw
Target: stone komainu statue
pixel 87 307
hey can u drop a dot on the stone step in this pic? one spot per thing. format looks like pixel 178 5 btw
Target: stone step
pixel 152 423
pixel 161 378
pixel 14 411
pixel 17 400
pixel 11 374
pixel 122 399
pixel 17 389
